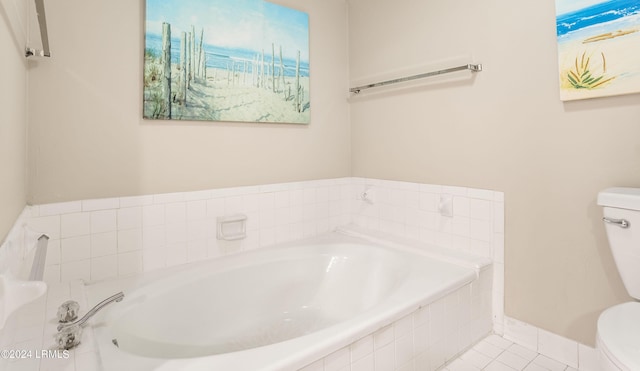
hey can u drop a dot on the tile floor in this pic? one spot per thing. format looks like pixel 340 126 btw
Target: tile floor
pixel 495 353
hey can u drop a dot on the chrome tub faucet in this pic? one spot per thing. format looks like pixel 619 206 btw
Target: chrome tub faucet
pixel 70 333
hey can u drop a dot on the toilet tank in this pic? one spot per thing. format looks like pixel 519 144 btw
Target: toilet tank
pixel 621 209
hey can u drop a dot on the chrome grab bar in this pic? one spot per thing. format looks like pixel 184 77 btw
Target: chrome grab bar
pixel 622 223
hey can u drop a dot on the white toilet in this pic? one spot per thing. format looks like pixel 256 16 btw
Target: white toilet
pixel 618 337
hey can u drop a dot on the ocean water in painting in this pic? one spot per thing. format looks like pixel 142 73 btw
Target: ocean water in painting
pixel 230 30
pixel 223 58
pixel 595 15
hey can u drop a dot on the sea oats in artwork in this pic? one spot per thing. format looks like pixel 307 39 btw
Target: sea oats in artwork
pixel 226 60
pixel 598 47
pixel 584 75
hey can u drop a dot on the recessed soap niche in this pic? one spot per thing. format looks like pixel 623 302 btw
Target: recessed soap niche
pixel 232 227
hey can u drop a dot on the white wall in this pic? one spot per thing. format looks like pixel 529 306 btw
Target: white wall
pixel 13 112
pixel 88 139
pixel 504 129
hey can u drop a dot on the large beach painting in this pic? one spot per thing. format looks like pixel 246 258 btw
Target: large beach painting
pixel 598 47
pixel 226 60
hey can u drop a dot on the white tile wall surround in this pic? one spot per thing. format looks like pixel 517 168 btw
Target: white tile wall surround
pixel 411 210
pixel 106 238
pixel 101 204
pixel 101 239
pixel 59 208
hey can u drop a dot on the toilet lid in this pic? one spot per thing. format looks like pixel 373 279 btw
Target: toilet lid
pixel 619 334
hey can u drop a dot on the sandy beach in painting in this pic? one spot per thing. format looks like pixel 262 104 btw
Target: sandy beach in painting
pixel 226 61
pixel 227 96
pixel 611 51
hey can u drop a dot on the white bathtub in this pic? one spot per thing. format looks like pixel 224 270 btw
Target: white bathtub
pixel 277 308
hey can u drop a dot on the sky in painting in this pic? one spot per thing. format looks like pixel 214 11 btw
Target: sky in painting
pixel 568 6
pixel 233 23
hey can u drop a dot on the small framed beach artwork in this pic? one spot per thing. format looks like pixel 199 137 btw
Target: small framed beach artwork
pixel 598 47
pixel 226 60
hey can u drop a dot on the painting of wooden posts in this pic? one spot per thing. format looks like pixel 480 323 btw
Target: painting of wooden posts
pixel 226 60
pixel 598 47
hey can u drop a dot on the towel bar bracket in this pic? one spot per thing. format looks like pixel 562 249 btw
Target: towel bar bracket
pixel 31 52
pixel 44 35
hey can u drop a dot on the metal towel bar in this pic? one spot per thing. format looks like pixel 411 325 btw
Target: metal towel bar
pixel 44 35
pixel 471 67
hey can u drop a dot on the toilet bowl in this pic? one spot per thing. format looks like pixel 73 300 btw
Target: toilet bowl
pixel 618 337
pixel 618 332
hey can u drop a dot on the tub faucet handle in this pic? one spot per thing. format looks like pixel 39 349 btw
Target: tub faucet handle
pixel 69 337
pixel 68 311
